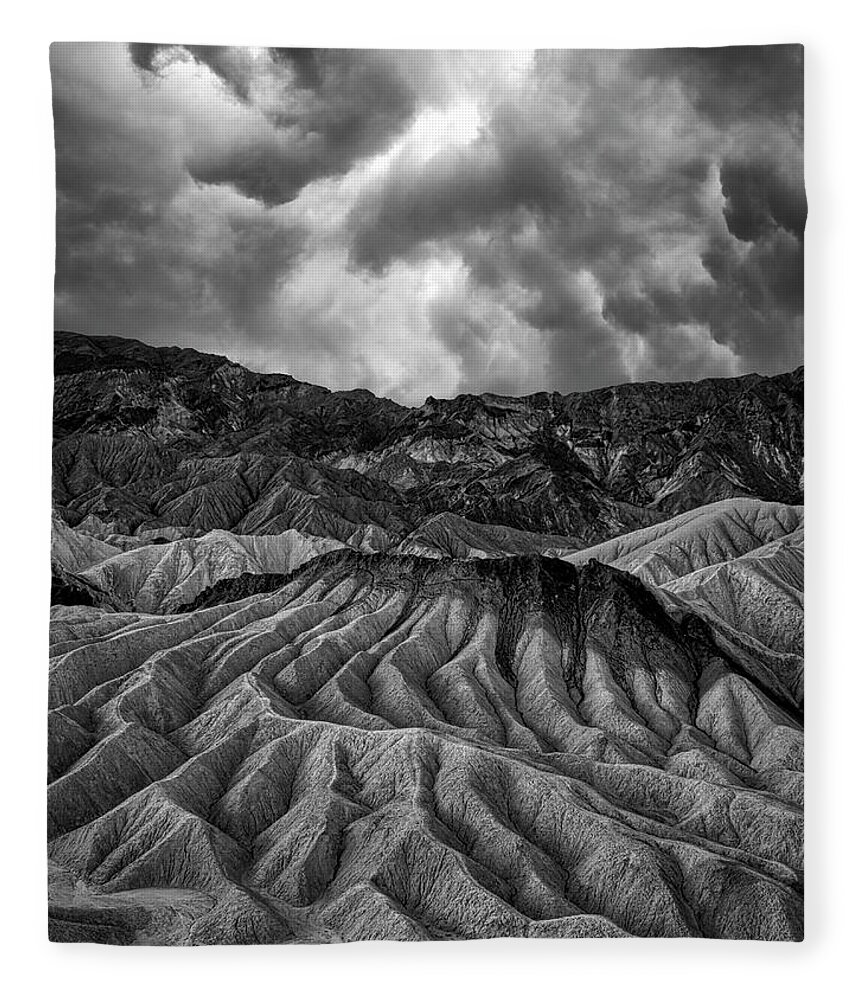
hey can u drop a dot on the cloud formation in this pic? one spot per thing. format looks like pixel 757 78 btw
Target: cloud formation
pixel 433 223
pixel 311 114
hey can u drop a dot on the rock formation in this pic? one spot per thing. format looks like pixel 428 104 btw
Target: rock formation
pixel 326 668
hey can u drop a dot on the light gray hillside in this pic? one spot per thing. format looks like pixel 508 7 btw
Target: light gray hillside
pixel 696 539
pixel 160 578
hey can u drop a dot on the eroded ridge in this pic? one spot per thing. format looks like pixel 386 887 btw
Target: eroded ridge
pixel 394 747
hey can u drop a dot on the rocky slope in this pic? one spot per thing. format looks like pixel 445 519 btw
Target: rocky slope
pixel 395 747
pixel 162 577
pixel 326 668
pixel 152 438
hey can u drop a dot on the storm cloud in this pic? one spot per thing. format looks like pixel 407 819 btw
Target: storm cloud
pixel 430 222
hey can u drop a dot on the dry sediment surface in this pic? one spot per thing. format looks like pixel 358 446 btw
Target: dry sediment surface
pixel 393 747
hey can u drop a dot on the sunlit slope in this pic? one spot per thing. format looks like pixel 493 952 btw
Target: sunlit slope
pixel 161 578
pixel 397 747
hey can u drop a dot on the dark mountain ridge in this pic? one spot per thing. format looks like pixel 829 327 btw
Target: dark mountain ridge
pixel 143 433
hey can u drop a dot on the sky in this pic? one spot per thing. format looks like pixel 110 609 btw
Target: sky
pixel 433 223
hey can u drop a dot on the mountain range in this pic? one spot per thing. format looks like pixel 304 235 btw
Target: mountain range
pixel 329 668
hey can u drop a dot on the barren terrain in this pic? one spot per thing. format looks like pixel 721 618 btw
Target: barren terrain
pixel 325 668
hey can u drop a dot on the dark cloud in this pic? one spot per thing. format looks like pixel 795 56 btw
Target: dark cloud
pixel 350 104
pixel 530 163
pixel 505 170
pixel 330 109
pixel 595 194
pixel 758 197
pixel 143 54
pixel 227 64
pixel 734 82
pixel 559 221
pixel 113 176
pixel 304 63
pixel 230 65
pixel 129 258
pixel 649 308
pixel 257 255
pixel 269 168
pixel 163 282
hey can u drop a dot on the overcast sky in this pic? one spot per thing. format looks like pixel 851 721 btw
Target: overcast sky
pixel 430 223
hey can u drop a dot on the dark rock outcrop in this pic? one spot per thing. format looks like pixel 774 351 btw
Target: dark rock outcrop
pixel 167 437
